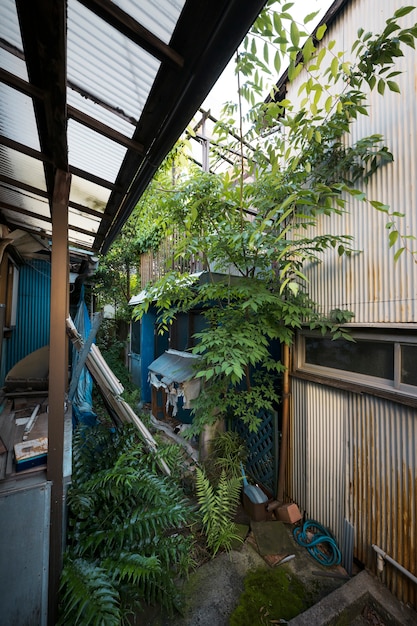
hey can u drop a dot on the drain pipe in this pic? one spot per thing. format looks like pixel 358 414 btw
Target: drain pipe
pixel 383 556
pixel 285 419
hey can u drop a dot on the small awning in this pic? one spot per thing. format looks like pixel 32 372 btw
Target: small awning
pixel 138 299
pixel 174 367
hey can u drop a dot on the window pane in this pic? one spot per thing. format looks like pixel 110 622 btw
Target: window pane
pixel 371 358
pixel 409 365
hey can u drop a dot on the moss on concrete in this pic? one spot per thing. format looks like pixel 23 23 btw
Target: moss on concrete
pixel 270 595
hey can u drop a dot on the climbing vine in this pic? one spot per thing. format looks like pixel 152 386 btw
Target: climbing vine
pixel 255 223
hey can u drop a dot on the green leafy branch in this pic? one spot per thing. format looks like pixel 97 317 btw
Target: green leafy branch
pixel 395 236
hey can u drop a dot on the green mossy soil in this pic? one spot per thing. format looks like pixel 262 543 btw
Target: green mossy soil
pixel 270 595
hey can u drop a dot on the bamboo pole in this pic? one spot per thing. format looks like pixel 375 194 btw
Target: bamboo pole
pixel 96 363
pixel 111 388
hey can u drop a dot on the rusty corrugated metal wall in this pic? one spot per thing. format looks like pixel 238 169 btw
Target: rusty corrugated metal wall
pixel 383 485
pixel 353 457
pixel 370 283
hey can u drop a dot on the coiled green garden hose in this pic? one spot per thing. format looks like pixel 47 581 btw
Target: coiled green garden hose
pixel 319 542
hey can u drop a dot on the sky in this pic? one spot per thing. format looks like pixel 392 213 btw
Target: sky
pixel 226 87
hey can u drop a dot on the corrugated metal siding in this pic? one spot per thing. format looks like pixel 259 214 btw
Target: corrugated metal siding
pixel 319 428
pixel 383 486
pixel 33 312
pixel 354 457
pixel 370 283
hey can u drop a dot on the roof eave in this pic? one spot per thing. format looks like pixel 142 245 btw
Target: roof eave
pixel 332 13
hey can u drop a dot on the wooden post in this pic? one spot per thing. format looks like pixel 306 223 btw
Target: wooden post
pixel 58 380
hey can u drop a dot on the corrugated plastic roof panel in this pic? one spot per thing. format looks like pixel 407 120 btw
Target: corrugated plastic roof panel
pixel 83 221
pixel 18 117
pixel 158 16
pixel 112 118
pixel 26 201
pixel 88 194
pixel 12 63
pixel 9 24
pixel 22 167
pixel 79 239
pixel 101 90
pixel 90 151
pixel 104 62
pixel 24 221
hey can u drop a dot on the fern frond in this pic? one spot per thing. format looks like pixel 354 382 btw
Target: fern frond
pixel 88 595
pixel 217 507
pixel 133 568
pixel 226 537
pixel 128 477
pixel 81 502
pixel 127 522
pixel 229 492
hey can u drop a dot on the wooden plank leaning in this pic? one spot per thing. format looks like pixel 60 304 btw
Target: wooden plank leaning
pixel 111 388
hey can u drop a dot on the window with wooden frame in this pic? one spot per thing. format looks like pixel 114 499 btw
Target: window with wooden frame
pixel 374 360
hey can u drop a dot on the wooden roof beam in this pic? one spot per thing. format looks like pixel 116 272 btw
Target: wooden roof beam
pixel 140 35
pixel 104 130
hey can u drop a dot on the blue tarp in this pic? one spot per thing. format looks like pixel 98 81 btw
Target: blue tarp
pixel 82 402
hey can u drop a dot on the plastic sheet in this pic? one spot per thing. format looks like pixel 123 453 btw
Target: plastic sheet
pixel 82 402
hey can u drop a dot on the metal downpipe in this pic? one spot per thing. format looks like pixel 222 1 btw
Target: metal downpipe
pixel 284 426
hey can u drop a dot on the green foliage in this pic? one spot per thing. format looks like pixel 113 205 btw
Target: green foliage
pixel 116 275
pixel 271 596
pixel 89 595
pixel 227 452
pixel 288 182
pixel 119 270
pixel 128 536
pixel 294 167
pixel 335 94
pixel 238 362
pixel 217 506
pixel 113 351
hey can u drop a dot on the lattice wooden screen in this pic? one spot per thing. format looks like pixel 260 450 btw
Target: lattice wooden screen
pixel 262 463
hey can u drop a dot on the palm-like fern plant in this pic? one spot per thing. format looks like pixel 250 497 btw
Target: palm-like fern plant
pixel 128 538
pixel 218 505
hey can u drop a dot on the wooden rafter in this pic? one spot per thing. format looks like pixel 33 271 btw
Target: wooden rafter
pixel 124 23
